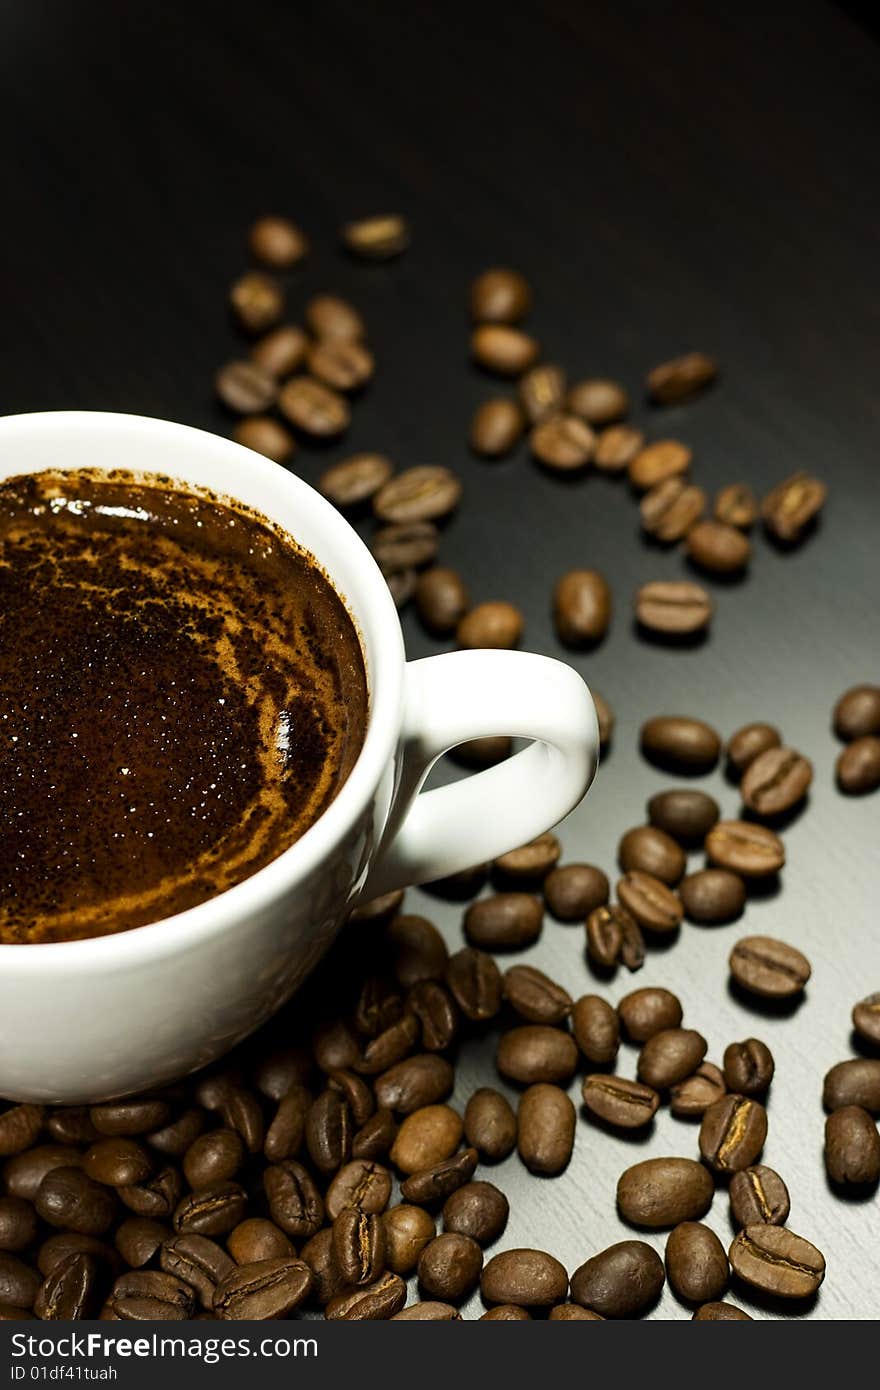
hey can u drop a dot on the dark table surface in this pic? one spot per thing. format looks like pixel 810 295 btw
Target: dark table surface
pixel 667 177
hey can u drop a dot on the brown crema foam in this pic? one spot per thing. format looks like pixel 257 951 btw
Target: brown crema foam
pixel 182 693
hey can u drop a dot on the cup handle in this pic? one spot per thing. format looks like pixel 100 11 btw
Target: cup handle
pixel 459 696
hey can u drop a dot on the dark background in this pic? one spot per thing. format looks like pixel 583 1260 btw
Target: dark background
pixel 668 176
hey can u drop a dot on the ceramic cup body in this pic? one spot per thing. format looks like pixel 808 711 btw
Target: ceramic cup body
pixel 85 1020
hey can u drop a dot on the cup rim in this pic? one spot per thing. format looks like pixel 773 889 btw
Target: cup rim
pixel 375 618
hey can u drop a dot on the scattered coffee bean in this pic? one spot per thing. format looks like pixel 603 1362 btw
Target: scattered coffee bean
pixel 653 852
pixel 856 1082
pixel 496 625
pixel 654 906
pixel 71 1124
pixel 776 781
pixel 737 505
pixel 671 508
pixel 664 458
pixel 685 814
pixel 277 242
pixel 696 1263
pixel 534 996
pixel 678 742
pixel 748 1067
pixel 402 587
pixel 408 1230
pixel 478 1210
pixel 748 743
pixel 535 1052
pixel 669 1056
pixel 545 1129
pixel 433 1006
pixel 504 922
pixel 245 387
pixel 328 316
pixel 858 766
pixel 377 1302
pixel 257 302
pixel 282 351
pixel 355 480
pixel 442 600
pixel 732 1133
pixel 681 378
pixel 490 1125
pixel 605 934
pixel 497 426
pixel 314 408
pixel 265 436
pixel 789 509
pixel 573 891
pixel 621 1103
pixel 424 493
pixel 712 895
pixel 857 712
pixel 526 1278
pixel 852 1147
pixel 530 862
pixel 648 1011
pixel 620 1282
pixel 769 968
pixel 563 443
pixel 433 1185
pixel 866 1019
pixel 596 1029
pixel 475 983
pixel 673 608
pixel 377 238
pixel 691 1098
pixel 758 1194
pixel 753 851
pixel 581 607
pixel 500 296
pixel 404 547
pixel 541 391
pixel 617 447
pixel 776 1261
pixel 506 351
pixel 389 1047
pixel 344 366
pixel 718 548
pixel 598 401
pixel 426 1137
pixel 662 1192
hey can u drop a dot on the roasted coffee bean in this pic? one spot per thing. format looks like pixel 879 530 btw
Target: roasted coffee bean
pixel 377 1302
pixel 265 436
pixel 71 1124
pixel 139 1239
pixel 748 1067
pixel 581 607
pixel 375 1137
pixel 328 316
pixel 295 1204
pixel 632 949
pixel 426 1137
pixel 620 1282
pixel 856 1082
pixel 673 608
pixel 423 493
pixel 712 895
pixel 598 400
pixel 654 906
pixel 858 766
pixel 277 242
pixel 664 458
pixel 442 599
pixel 147 1295
pixel 718 548
pixel 792 506
pixel 596 1029
pixel 857 712
pixel 259 1239
pixel 174 1139
pixel 359 1246
pixel 420 1080
pixel 408 1229
pixel 769 968
pixel 685 814
pixel 506 1312
pixel 130 1117
pixel 212 1211
pixel 19 1284
pixel 418 950
pixel 616 447
pixel 541 391
pixel 475 983
pixel 605 928
pixel 482 752
pixel 354 480
pixel 737 505
pixel 19 1127
pixel 344 366
pixel 692 1097
pixel 199 1262
pixel 678 742
pixel 751 850
pixel 490 1125
pixel 534 996
pixel 245 387
pixel 377 238
pixel 69 1292
pixel 562 443
pixel 653 852
pixel 720 1312
pixel 647 1011
pixel 402 587
pixel 314 408
pixel 117 1162
pixel 605 717
pixel 240 1110
pixel 748 743
pixel 478 1210
pixel 732 1133
pixel 621 1103
pixel 504 350
pixel 681 378
pixel 662 1192
pixel 449 1266
pixel 671 509
pixel 500 296
pixel 776 1261
pixel 379 1003
pixel 573 1312
pixel 213 1158
pixel 531 862
pixel 58 1248
pixel 409 546
pixel 525 1278
pixel 504 922
pixel 696 1263
pixel 496 427
pixel 433 1006
pixel 429 1310
pixel 156 1198
pixel 282 351
pixel 866 1019
pixel 18 1224
pixel 545 1129
pixel 257 302
pixel 360 1185
pixel 669 1056
pixel 284 1137
pixel 758 1194
pixel 852 1147
pixel 328 1132
pixel 535 1052
pixel 776 781
pixel 327 1282
pixel 68 1199
pixel 497 625
pixel 262 1290
pixel 434 1184
pixel 573 891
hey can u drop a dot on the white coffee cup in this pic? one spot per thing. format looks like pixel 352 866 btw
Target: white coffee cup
pixel 87 1020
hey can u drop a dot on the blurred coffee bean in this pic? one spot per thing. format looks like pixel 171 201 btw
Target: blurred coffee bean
pixel 282 351
pixel 496 427
pixel 858 766
pixel 265 436
pixel 681 378
pixel 581 607
pixel 496 625
pixel 673 607
pixel 717 547
pixel 474 981
pixel 790 508
pixel 500 296
pixel 277 242
pixel 562 443
pixel 442 599
pixel 598 400
pixel 671 509
pixel 354 480
pixel 751 850
pixel 736 505
pixel 377 238
pixel 541 391
pixel 504 350
pixel 245 388
pixel 664 458
pixel 342 365
pixel 857 712
pixel 405 546
pixel 616 447
pixel 423 493
pixel 257 302
pixel 314 408
pixel 744 746
pixel 329 316
pixel 504 922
